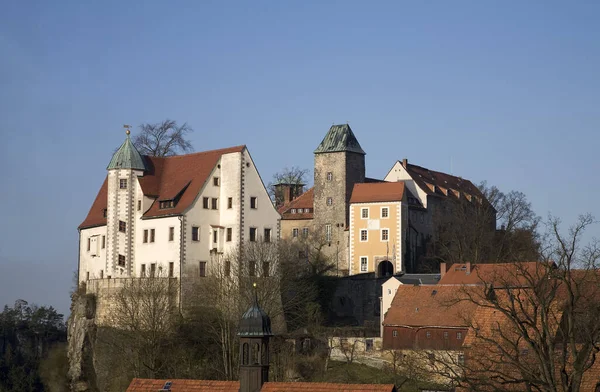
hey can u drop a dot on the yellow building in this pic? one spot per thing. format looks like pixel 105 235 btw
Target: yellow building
pixel 378 212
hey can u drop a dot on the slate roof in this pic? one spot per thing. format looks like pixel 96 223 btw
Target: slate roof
pixel 500 274
pixel 178 385
pixel 255 322
pixel 430 306
pixel 165 178
pixel 340 138
pixel 127 157
pixel 305 200
pixel 377 192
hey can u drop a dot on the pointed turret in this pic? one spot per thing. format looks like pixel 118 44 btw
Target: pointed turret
pixel 127 157
pixel 340 138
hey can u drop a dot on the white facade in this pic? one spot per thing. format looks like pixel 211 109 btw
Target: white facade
pixel 388 292
pixel 399 173
pixel 164 244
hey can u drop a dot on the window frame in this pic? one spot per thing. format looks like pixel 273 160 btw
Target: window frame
pixel 171 269
pixel 202 269
pixel 387 209
pixel 196 229
pixel 206 202
pixel 216 181
pixel 171 233
pixel 387 231
pixel 395 333
pixel 229 203
pixel 329 201
pixel 267 234
pixel 360 263
pixel 145 236
pixel 229 234
pixel 123 183
pixel 305 232
pixel 253 202
pixel 329 176
pixel 152 235
pixel 360 234
pixel 362 212
pixel 122 226
pixel 295 232
pixel 250 236
pixel 328 232
pixel 266 268
pixel 214 203
pixel 121 261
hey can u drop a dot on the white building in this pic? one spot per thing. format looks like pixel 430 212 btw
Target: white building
pixel 171 215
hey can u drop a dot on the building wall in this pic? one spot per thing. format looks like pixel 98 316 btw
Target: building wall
pixel 409 338
pixel 388 292
pixel 94 260
pixel 399 173
pixel 288 225
pixel 160 252
pixel 375 249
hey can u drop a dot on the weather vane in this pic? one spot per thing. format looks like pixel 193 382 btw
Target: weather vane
pixel 127 128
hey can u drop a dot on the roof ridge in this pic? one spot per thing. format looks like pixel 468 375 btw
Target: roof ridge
pixel 438 172
pixel 241 146
pixel 290 204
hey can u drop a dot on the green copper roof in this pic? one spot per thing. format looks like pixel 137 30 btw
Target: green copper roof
pixel 127 157
pixel 339 138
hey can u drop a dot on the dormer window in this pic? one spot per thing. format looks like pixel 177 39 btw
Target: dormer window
pixel 293 211
pixel 166 204
pixel 123 183
pixel 300 210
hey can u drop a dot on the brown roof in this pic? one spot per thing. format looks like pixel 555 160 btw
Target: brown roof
pixel 444 183
pixel 377 192
pixel 150 385
pixel 325 387
pixel 500 274
pixel 166 178
pixel 305 200
pixel 430 306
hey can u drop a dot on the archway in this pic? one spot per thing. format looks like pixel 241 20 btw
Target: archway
pixel 385 268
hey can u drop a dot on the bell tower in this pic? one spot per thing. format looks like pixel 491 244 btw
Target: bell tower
pixel 255 333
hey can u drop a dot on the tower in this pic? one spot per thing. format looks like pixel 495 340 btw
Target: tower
pixel 339 164
pixel 255 332
pixel 124 168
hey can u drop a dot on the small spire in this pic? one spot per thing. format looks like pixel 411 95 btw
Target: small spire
pixel 127 129
pixel 255 294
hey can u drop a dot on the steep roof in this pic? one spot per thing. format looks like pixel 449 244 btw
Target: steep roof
pixel 441 184
pixel 340 138
pixel 180 176
pixel 500 274
pixel 430 306
pixel 304 201
pixel 127 157
pixel 377 192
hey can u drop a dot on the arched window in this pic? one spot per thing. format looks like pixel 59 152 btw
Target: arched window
pixel 255 354
pixel 245 354
pixel 265 355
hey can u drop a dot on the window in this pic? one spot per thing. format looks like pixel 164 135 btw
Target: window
pixel 202 269
pixel 122 227
pixel 385 234
pixel 213 203
pixel 145 240
pixel 428 335
pixel 293 210
pixel 265 271
pixel 461 359
pixel 229 234
pixel 364 213
pixel 300 210
pixel 123 183
pixel 253 202
pixel 166 204
pixel 230 202
pixel 305 232
pixel 385 212
pixel 267 237
pixel 121 261
pixel 143 273
pixel 252 268
pixel 216 181
pixel 195 233
pixel 445 334
pixel 253 234
pixel 205 203
pixel 171 269
pixel 329 176
pixel 328 232
pixel 139 205
pixel 103 241
pixel 171 233
pixel 364 264
pixel 364 236
pixel 395 333
pixel 459 336
pixel 89 241
pixel 389 291
pixel 215 236
pixel 329 201
pixel 227 268
pixel 104 211
pixel 152 235
pixel 295 232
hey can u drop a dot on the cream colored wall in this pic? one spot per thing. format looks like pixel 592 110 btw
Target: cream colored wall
pixel 92 261
pixel 388 292
pixel 374 248
pixel 399 173
pixel 288 225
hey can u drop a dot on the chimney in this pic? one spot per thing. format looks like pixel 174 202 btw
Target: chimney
pixel 468 265
pixel 405 162
pixel 285 193
pixel 442 269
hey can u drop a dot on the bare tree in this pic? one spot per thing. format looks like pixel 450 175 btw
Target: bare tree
pixel 535 328
pixel 163 139
pixel 293 179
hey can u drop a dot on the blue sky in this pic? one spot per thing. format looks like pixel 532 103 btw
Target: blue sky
pixel 508 91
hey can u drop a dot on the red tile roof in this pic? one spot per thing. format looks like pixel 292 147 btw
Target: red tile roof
pixel 431 306
pixel 305 200
pixel 443 182
pixel 500 274
pixel 166 178
pixel 377 192
pixel 150 385
pixel 325 387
